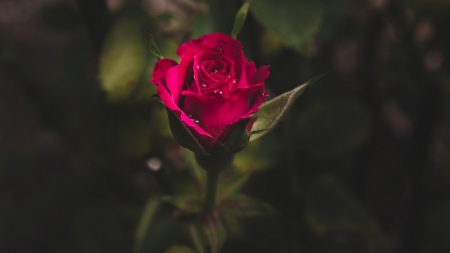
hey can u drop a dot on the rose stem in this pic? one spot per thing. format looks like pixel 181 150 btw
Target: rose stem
pixel 212 183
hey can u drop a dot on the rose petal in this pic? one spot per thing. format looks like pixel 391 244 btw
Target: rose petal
pixel 261 74
pixel 215 111
pixel 160 69
pixel 254 93
pixel 200 133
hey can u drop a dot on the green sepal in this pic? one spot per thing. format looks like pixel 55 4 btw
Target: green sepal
pixel 182 134
pixel 153 48
pixel 236 141
pixel 240 19
pixel 276 108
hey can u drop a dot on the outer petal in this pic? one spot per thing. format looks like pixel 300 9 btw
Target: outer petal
pixel 192 45
pixel 203 137
pixel 216 111
pixel 159 72
pixel 259 76
pixel 256 97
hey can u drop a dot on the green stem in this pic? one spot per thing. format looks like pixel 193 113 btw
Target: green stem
pixel 212 183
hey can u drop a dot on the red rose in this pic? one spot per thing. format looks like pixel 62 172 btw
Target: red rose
pixel 213 89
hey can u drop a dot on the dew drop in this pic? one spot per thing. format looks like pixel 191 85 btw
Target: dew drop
pixel 194 119
pixel 215 70
pixel 218 50
pixel 228 76
pixel 235 80
pixel 218 92
pixel 265 94
pixel 204 85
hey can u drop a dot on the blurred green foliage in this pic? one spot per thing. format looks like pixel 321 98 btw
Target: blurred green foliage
pixel 360 164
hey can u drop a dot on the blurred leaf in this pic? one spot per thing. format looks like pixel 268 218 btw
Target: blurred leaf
pixel 163 231
pixel 203 24
pixel 216 234
pixel 186 203
pixel 60 17
pixel 257 156
pixel 123 59
pixel 180 249
pixel 240 19
pixel 230 186
pixel 330 209
pixel 295 22
pixel 243 206
pixel 276 108
pixel 144 223
pixel 333 127
pixel 196 237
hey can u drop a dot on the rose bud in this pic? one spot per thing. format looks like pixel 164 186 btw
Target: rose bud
pixel 211 94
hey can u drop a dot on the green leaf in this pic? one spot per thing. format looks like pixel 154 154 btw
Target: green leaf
pixel 240 19
pixel 276 108
pixel 203 24
pixel 179 249
pixel 162 232
pixel 215 232
pixel 229 187
pixel 196 237
pixel 294 22
pixel 257 156
pixel 186 203
pixel 123 59
pixel 243 206
pixel 154 49
pixel 146 219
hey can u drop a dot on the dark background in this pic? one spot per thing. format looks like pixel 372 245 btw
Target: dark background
pixel 360 164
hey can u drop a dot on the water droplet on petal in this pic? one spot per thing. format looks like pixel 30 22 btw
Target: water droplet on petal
pixel 218 50
pixel 215 70
pixel 235 80
pixel 218 92
pixel 204 85
pixel 265 94
pixel 194 119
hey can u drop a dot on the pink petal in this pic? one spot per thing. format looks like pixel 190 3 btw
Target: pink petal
pixel 160 69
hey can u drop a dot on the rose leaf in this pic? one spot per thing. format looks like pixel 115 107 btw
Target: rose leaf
pixel 276 108
pixel 240 19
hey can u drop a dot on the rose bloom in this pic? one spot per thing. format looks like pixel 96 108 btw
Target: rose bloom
pixel 213 89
